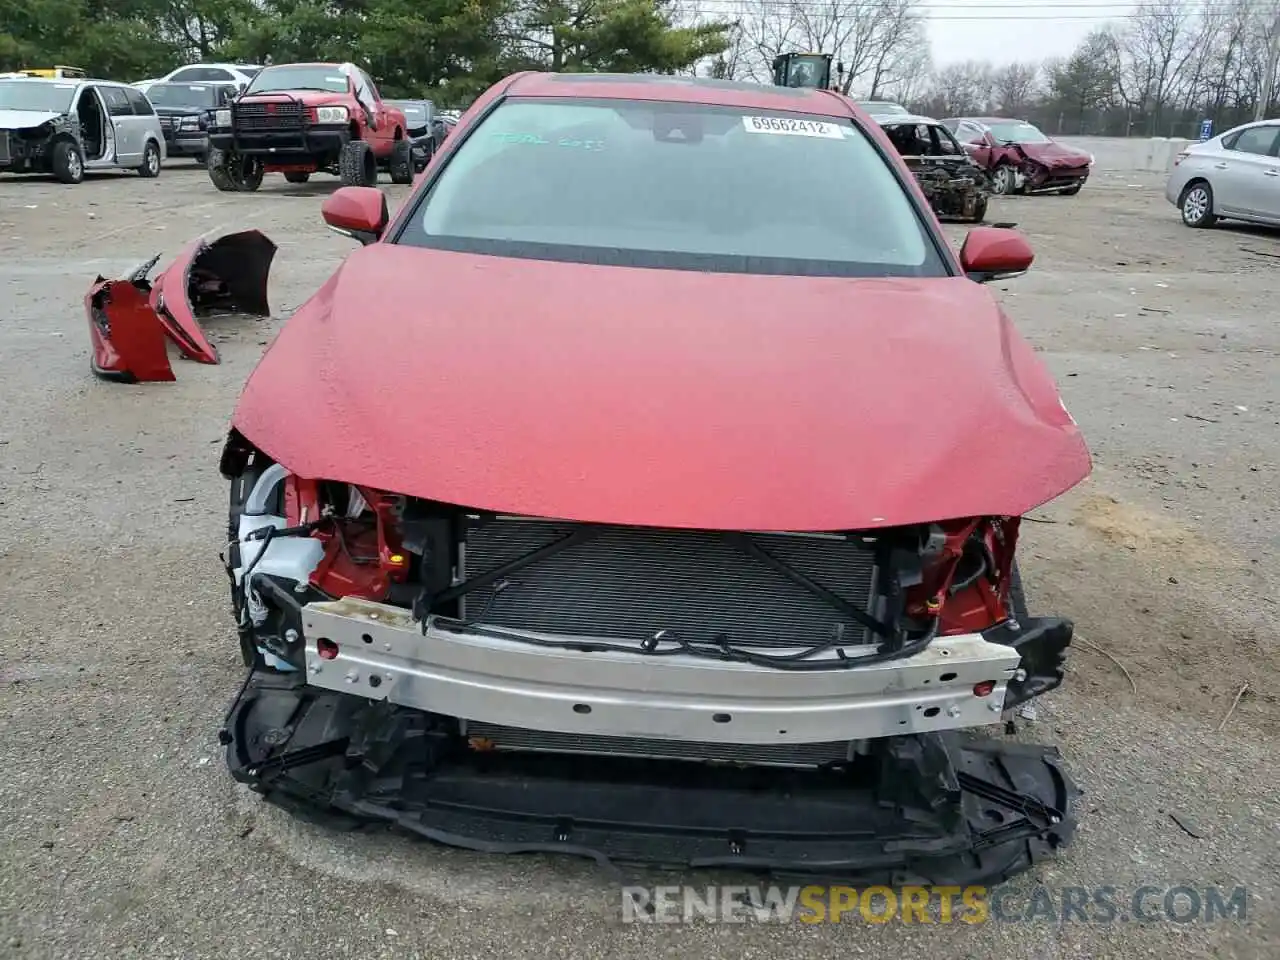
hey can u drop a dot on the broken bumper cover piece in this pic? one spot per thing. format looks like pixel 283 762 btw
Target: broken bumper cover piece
pixel 129 318
pixel 930 808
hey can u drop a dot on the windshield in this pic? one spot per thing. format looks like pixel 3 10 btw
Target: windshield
pixel 414 112
pixel 299 77
pixel 36 95
pixel 1016 131
pixel 182 94
pixel 683 186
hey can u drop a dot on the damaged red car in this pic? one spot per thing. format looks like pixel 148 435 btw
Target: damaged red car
pixel 678 525
pixel 1020 158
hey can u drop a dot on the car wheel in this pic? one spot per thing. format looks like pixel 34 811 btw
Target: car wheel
pixel 150 161
pixel 216 164
pixel 1196 204
pixel 979 210
pixel 1003 181
pixel 68 162
pixel 357 166
pixel 401 165
pixel 297 176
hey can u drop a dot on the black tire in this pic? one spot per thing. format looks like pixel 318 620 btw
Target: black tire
pixel 401 163
pixel 297 176
pixel 1196 204
pixel 150 166
pixel 67 161
pixel 979 210
pixel 233 173
pixel 357 166
pixel 215 163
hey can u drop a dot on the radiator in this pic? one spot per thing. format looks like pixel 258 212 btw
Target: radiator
pixel 629 583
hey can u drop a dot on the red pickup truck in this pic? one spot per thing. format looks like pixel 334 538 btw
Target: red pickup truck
pixel 302 118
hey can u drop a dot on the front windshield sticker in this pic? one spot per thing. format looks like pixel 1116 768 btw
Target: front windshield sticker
pixel 537 139
pixel 788 127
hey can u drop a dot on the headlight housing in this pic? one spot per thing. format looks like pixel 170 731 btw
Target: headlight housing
pixel 331 114
pixel 222 118
pixel 1092 160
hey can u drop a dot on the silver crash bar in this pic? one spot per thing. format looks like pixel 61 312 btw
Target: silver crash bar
pixel 377 651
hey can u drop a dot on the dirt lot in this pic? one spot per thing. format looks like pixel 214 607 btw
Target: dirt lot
pixel 123 836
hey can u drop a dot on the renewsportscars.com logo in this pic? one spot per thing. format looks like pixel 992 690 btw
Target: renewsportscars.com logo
pixel 933 905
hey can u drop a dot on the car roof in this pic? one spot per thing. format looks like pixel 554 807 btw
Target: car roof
pixel 66 81
pixel 887 118
pixel 310 63
pixel 204 63
pixel 674 89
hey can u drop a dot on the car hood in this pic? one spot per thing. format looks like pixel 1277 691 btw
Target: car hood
pixel 662 397
pixel 23 119
pixel 1054 154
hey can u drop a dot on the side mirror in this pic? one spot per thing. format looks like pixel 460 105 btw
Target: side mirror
pixel 357 212
pixel 993 253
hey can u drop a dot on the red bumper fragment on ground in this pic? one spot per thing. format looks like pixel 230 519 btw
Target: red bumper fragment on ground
pixel 128 344
pixel 129 318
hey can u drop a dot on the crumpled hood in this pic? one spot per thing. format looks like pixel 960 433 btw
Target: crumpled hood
pixel 1054 155
pixel 662 397
pixel 25 119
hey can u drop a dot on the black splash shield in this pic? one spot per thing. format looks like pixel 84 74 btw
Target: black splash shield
pixel 931 809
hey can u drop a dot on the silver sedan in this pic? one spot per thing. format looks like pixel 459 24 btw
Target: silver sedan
pixel 1234 175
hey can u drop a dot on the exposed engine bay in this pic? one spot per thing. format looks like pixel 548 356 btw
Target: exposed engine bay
pixel 955 186
pixel 449 670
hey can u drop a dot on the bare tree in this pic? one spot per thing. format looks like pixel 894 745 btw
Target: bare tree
pixel 1150 50
pixel 1015 88
pixel 960 89
pixel 872 39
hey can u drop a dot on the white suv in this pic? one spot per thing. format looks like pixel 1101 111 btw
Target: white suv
pixel 239 73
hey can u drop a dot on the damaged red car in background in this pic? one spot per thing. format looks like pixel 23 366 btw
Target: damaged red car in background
pixel 130 319
pixel 678 525
pixel 1019 157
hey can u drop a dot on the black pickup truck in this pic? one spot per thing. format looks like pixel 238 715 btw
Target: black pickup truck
pixel 186 113
pixel 426 129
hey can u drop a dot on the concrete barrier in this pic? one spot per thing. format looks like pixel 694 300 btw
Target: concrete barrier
pixel 1153 154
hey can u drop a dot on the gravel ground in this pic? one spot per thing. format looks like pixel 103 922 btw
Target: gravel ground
pixel 123 836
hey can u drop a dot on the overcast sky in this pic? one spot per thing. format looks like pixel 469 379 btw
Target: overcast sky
pixel 1006 30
